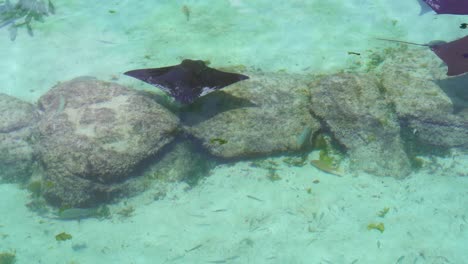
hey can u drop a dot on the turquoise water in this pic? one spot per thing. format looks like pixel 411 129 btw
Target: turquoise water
pixel 339 148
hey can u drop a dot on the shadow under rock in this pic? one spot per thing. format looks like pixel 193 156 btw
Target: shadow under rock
pixel 456 88
pixel 210 105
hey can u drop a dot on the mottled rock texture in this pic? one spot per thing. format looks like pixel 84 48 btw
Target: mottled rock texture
pixel 93 134
pixel 428 103
pixel 264 115
pixel 18 120
pixel 353 107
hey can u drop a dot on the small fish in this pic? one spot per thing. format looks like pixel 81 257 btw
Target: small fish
pixel 463 25
pixel 323 166
pixel 186 11
pixel 354 53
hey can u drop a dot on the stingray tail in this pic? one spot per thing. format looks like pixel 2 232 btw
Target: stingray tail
pixel 404 42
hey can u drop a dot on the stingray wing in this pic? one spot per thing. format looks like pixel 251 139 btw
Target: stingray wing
pixel 150 76
pixel 454 54
pixel 212 79
pixel 455 7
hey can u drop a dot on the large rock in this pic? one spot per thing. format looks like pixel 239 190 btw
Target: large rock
pixel 93 134
pixel 424 108
pixel 264 115
pixel 17 122
pixel 355 111
pixel 448 131
pixel 414 62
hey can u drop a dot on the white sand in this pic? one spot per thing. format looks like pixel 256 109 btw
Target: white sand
pixel 427 221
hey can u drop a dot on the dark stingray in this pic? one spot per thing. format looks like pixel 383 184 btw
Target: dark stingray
pixel 188 80
pixel 454 53
pixel 454 7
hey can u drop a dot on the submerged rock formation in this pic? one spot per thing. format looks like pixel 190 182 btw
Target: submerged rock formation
pixel 264 115
pixel 17 122
pixel 422 103
pixel 92 136
pixel 354 109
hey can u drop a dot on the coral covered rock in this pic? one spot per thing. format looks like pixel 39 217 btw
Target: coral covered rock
pixel 17 122
pixel 425 109
pixel 264 115
pixel 92 136
pixel 353 108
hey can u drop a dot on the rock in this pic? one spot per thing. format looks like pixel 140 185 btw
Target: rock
pixel 414 62
pixel 355 111
pixel 415 97
pixel 447 131
pixel 264 115
pixel 181 162
pixel 93 134
pixel 425 109
pixel 17 123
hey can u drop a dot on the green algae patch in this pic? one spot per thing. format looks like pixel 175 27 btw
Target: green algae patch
pixel 218 141
pixel 376 226
pixel 382 213
pixel 63 237
pixel 7 257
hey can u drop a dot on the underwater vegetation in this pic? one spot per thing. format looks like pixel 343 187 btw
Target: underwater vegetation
pixel 218 141
pixel 329 156
pixel 377 226
pixel 22 14
pixel 7 257
pixel 63 236
pixel 382 213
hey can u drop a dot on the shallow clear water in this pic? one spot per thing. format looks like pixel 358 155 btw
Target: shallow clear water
pixel 339 148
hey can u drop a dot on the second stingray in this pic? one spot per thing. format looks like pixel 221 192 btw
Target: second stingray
pixel 453 53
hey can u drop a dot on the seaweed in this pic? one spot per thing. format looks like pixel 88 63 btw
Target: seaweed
pixel 22 14
pixel 218 141
pixel 327 163
pixel 63 236
pixel 7 257
pixel 382 213
pixel 377 226
pixel 326 167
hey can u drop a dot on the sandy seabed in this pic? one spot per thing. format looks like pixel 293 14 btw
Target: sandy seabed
pixel 239 215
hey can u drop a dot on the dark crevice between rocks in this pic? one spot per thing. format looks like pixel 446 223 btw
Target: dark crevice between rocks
pixel 415 147
pixel 456 89
pixel 201 162
pixel 325 130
